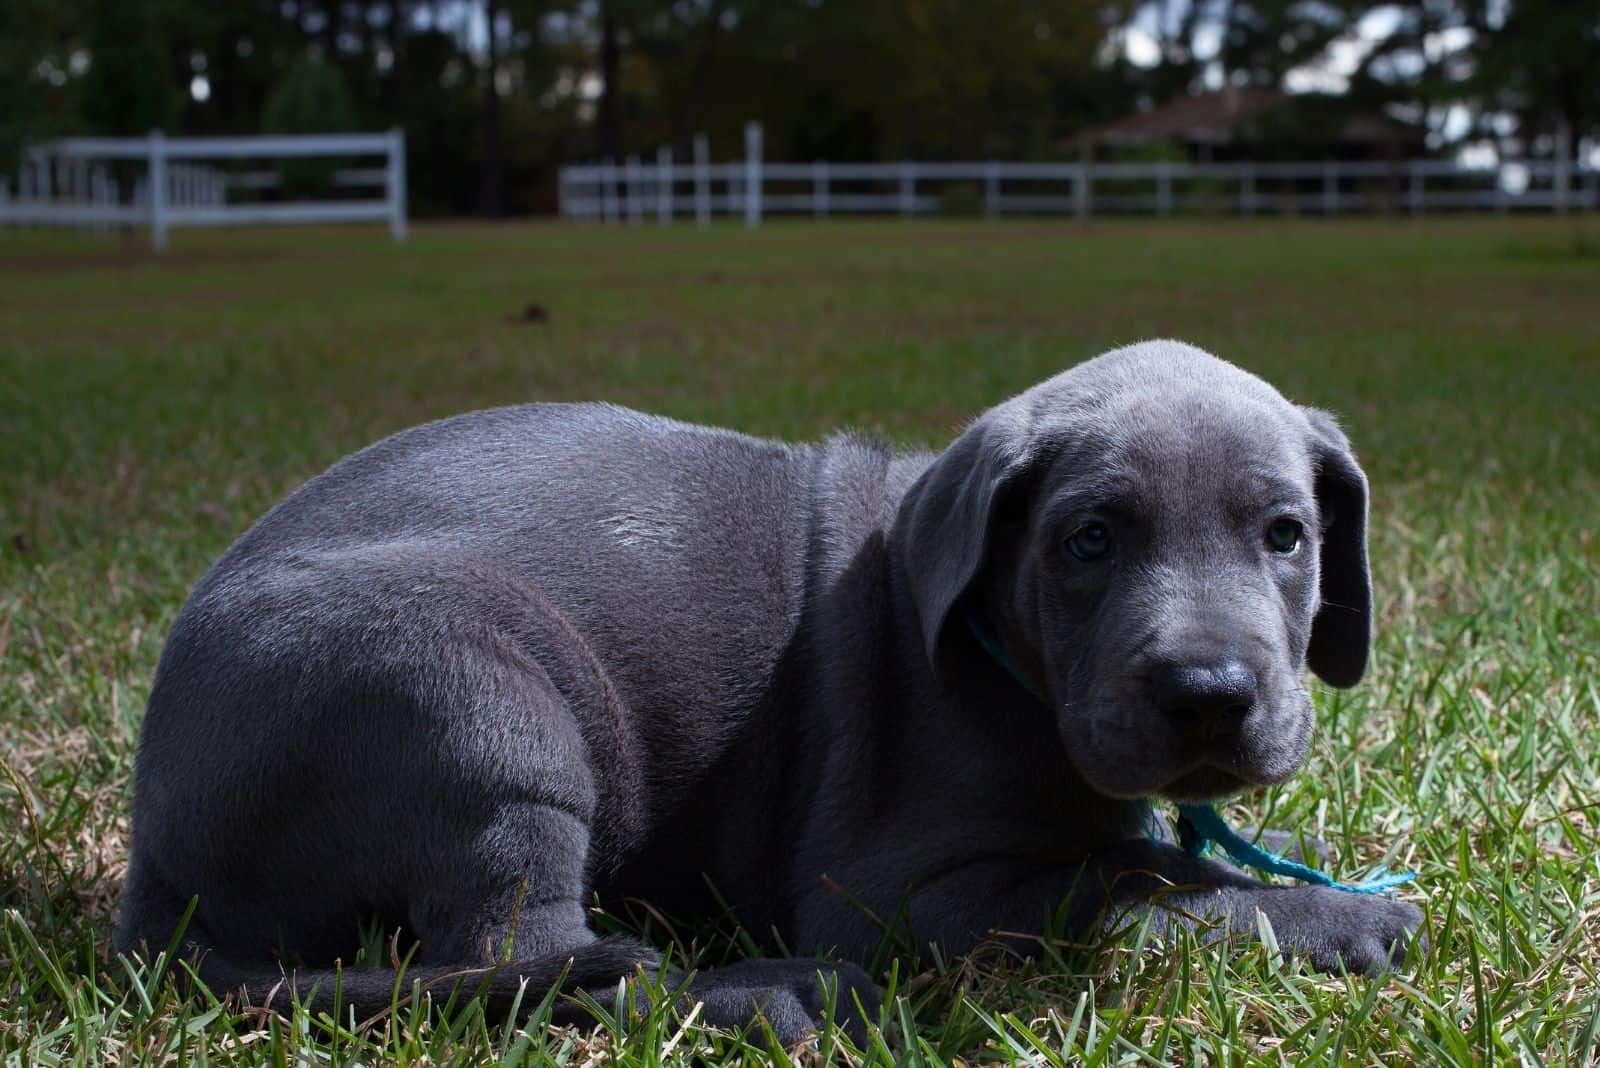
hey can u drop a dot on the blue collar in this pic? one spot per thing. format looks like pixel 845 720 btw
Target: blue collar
pixel 1199 827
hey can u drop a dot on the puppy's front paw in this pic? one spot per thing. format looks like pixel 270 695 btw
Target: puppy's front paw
pixel 1336 930
pixel 789 994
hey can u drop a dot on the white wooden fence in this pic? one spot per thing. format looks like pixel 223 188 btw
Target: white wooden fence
pixel 753 188
pixel 68 183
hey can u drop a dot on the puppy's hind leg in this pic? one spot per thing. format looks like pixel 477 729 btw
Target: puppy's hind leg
pixel 495 904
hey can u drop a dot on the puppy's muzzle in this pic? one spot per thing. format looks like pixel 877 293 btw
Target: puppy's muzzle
pixel 1210 699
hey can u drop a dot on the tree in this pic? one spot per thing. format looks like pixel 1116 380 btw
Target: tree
pixel 37 97
pixel 129 87
pixel 311 98
pixel 1539 61
pixel 487 121
pixel 491 199
pixel 857 78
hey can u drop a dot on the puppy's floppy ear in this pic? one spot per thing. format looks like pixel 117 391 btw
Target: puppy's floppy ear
pixel 1341 633
pixel 942 530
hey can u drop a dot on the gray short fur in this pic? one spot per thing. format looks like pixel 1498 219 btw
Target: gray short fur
pixel 532 654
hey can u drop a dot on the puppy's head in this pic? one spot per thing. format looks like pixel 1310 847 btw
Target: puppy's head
pixel 1161 542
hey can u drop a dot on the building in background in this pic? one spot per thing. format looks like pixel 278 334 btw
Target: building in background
pixel 1255 123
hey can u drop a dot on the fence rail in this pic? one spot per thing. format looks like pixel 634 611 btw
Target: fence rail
pixel 71 182
pixel 753 187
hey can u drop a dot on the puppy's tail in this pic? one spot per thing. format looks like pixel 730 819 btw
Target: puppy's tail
pixel 370 992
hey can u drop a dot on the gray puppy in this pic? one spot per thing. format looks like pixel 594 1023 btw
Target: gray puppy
pixel 491 667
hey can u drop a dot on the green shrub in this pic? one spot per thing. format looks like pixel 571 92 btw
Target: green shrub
pixel 310 98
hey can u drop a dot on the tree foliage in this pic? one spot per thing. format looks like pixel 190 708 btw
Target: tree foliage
pixel 1538 61
pixel 862 79
pixel 128 88
pixel 310 99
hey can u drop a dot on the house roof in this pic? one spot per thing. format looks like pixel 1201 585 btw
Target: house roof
pixel 1233 114
pixel 1198 118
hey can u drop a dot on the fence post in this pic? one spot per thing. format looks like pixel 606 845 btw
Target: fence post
pixel 102 198
pixel 664 185
pixel 608 191
pixel 702 181
pixel 752 174
pixel 631 192
pixel 156 188
pixel 1330 188
pixel 908 187
pixel 991 188
pixel 1164 187
pixel 1416 199
pixel 394 184
pixel 1247 190
pixel 1081 191
pixel 819 189
pixel 80 191
pixel 25 179
pixel 1563 175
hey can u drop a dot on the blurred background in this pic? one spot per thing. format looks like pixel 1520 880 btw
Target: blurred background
pixel 494 95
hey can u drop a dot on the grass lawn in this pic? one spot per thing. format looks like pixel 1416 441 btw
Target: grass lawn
pixel 151 408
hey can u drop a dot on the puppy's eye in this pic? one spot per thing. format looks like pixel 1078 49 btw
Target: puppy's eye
pixel 1284 535
pixel 1090 541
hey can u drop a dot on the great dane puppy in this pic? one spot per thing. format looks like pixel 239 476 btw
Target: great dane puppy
pixel 490 668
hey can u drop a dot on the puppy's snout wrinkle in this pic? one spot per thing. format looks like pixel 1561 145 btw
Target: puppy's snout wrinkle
pixel 1212 694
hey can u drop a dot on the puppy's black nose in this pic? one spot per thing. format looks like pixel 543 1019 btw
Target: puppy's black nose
pixel 1206 691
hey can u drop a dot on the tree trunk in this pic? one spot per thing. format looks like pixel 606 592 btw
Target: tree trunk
pixel 334 12
pixel 610 129
pixel 687 121
pixel 491 198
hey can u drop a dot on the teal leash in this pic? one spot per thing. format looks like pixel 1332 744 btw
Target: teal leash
pixel 1199 827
